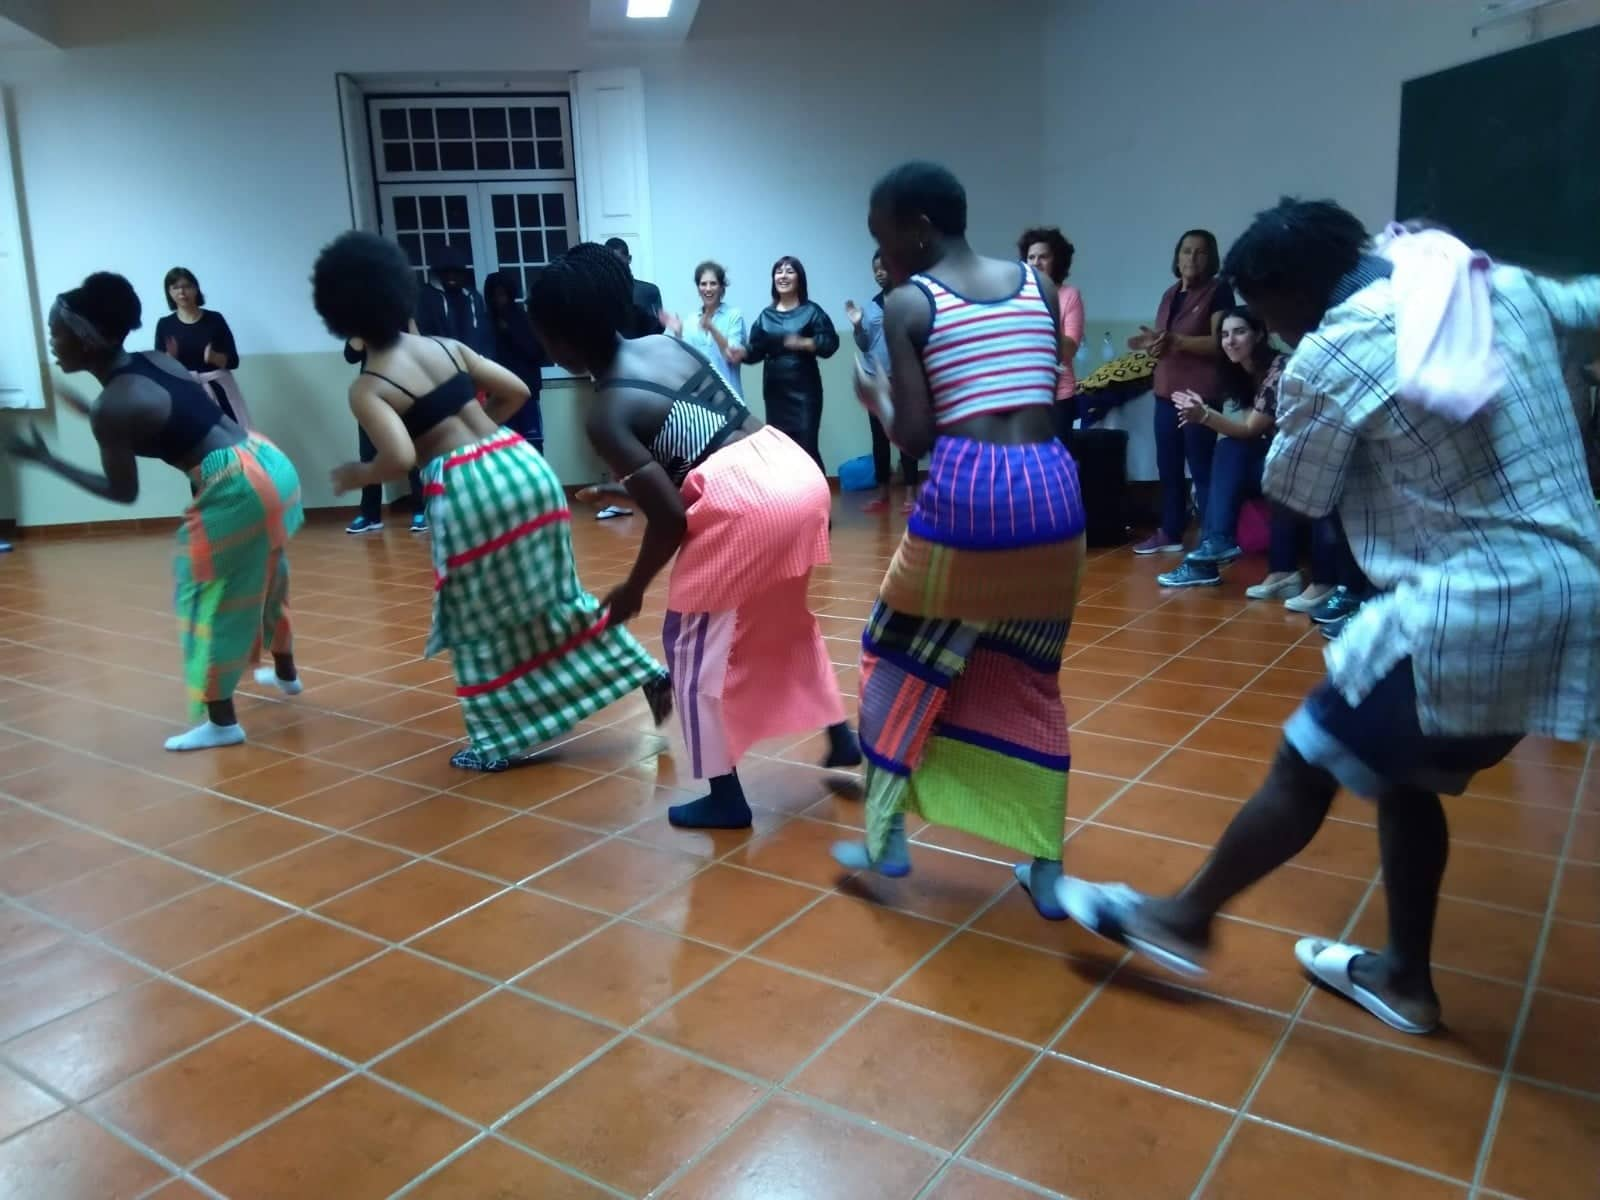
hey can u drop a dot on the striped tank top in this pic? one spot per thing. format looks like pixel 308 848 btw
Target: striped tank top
pixel 988 356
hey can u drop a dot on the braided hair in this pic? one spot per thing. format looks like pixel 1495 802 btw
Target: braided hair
pixel 584 299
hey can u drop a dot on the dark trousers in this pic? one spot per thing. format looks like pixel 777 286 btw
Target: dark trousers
pixel 1235 477
pixel 880 457
pixel 1331 559
pixel 1175 445
pixel 372 495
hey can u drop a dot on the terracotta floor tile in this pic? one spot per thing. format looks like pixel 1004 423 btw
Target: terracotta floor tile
pixel 244 843
pixel 215 1093
pixel 1186 816
pixel 184 816
pixel 1528 781
pixel 88 1051
pixel 1214 774
pixel 321 870
pixel 130 886
pixel 757 1018
pixel 793 788
pixel 22 1105
pixel 361 1141
pixel 1052 1131
pixel 431 824
pixel 854 942
pixel 1521 881
pixel 286 781
pixel 71 1157
pixel 790 1150
pixel 408 901
pixel 1572 959
pixel 616 875
pixel 192 925
pixel 1194 699
pixel 520 847
pixel 595 1122
pixel 1506 825
pixel 914 1073
pixel 384 748
pixel 22 933
pixel 354 803
pixel 1121 758
pixel 1579 896
pixel 798 850
pixel 1406 1106
pixel 1183 1041
pixel 1262 1163
pixel 1081 686
pixel 622 972
pixel 1547 1145
pixel 485 1061
pixel 495 1170
pixel 1585 838
pixel 1479 1015
pixel 509 934
pixel 1258 743
pixel 611 803
pixel 1559 1043
pixel 264 968
pixel 728 906
pixel 68 855
pixel 526 787
pixel 1010 989
pixel 366 1011
pixel 1248 964
pixel 942 886
pixel 1263 708
pixel 1131 721
pixel 1306 901
pixel 56 979
pixel 1470 937
pixel 965 1183
pixel 1148 863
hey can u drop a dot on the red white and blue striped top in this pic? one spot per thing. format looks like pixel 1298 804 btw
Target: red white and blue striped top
pixel 988 356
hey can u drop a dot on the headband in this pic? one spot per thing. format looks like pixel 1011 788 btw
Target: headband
pixel 82 327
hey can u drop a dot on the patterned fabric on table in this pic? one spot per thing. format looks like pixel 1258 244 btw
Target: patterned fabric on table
pixel 532 651
pixel 962 719
pixel 232 576
pixel 1482 536
pixel 746 654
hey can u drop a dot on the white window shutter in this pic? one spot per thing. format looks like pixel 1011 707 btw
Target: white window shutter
pixel 21 343
pixel 358 155
pixel 613 168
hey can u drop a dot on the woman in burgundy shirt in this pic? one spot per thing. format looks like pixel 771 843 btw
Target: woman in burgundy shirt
pixel 1188 358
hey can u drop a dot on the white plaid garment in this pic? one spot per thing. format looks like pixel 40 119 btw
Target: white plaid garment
pixel 1484 536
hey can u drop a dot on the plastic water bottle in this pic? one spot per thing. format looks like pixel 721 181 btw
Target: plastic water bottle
pixel 1080 359
pixel 1108 348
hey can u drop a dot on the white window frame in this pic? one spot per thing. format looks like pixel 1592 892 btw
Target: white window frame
pixel 377 105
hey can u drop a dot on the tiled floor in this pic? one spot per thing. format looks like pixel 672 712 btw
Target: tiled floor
pixel 329 966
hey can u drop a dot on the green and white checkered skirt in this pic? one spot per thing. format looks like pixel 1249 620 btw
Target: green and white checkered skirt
pixel 532 651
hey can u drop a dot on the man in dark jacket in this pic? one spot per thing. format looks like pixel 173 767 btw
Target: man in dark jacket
pixel 516 349
pixel 450 306
pixel 646 296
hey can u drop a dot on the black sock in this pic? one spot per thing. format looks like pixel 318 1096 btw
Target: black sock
pixel 844 749
pixel 723 808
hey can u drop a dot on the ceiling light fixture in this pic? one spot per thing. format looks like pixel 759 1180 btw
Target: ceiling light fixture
pixel 649 10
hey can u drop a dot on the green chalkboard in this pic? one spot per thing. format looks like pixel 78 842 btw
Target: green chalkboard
pixel 1506 152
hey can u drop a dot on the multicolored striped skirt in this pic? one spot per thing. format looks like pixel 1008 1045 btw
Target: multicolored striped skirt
pixel 232 575
pixel 962 719
pixel 747 657
pixel 532 651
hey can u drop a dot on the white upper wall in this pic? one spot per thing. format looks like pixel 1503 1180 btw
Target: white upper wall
pixel 208 134
pixel 1169 114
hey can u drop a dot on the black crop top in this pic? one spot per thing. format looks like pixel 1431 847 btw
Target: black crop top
pixel 193 413
pixel 704 415
pixel 439 404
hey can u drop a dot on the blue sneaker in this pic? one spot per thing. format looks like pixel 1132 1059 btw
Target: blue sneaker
pixel 1214 550
pixel 362 525
pixel 1191 573
pixel 419 522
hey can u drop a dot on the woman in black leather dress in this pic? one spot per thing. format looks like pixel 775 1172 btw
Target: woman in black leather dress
pixel 790 335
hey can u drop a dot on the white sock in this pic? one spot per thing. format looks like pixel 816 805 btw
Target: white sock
pixel 206 736
pixel 268 677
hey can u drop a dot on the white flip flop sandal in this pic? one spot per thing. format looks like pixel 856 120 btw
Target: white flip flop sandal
pixel 1329 964
pixel 1103 909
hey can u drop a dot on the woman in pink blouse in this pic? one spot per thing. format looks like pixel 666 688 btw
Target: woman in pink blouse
pixel 1048 252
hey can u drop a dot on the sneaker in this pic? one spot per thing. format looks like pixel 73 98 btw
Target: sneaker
pixel 1158 543
pixel 1213 550
pixel 1332 629
pixel 1341 603
pixel 419 522
pixel 1283 587
pixel 1191 573
pixel 1310 598
pixel 362 525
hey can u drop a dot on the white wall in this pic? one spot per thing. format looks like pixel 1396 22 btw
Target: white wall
pixel 1178 114
pixel 213 140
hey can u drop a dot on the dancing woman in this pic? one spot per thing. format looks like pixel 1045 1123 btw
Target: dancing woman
pixel 533 653
pixel 744 509
pixel 233 577
pixel 961 713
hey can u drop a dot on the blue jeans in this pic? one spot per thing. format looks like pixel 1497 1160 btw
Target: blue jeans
pixel 1176 445
pixel 1235 477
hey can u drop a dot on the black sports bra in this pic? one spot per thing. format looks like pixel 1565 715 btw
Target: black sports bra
pixel 439 404
pixel 704 415
pixel 193 413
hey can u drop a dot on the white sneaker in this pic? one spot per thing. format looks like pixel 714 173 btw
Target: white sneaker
pixel 1310 598
pixel 1277 589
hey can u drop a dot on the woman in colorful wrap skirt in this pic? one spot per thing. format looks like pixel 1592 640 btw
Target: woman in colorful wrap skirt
pixel 233 577
pixel 533 653
pixel 961 713
pixel 744 509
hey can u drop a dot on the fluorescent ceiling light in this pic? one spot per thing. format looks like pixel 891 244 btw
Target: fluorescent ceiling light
pixel 646 10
